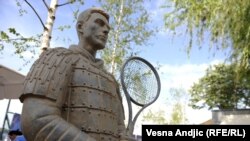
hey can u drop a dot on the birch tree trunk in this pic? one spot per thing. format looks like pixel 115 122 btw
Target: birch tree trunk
pixel 117 34
pixel 49 25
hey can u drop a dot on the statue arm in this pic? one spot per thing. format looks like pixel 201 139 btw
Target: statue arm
pixel 45 90
pixel 122 130
pixel 124 135
pixel 42 121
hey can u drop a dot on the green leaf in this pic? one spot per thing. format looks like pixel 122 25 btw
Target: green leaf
pixel 12 30
pixel 4 36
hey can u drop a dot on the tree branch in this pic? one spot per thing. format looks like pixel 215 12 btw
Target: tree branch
pixel 46 4
pixel 71 1
pixel 15 39
pixel 36 13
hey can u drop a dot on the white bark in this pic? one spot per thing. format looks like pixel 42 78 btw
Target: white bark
pixel 49 25
pixel 117 32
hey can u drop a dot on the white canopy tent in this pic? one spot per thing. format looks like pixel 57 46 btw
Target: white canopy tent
pixel 11 83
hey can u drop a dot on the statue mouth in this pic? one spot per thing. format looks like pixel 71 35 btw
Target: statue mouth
pixel 102 37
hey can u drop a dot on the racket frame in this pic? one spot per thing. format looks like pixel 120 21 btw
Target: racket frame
pixel 131 122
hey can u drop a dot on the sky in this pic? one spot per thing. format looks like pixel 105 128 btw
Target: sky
pixel 178 70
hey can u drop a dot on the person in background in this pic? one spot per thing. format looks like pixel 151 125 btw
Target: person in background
pixel 16 135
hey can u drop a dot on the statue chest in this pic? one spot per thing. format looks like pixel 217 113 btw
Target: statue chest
pixel 92 100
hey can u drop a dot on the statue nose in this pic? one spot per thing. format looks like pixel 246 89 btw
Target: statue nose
pixel 106 30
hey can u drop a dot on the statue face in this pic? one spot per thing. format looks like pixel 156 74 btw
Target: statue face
pixel 95 31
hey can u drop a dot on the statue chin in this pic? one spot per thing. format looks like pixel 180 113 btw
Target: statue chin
pixel 100 46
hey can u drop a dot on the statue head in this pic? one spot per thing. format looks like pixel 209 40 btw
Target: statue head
pixel 93 27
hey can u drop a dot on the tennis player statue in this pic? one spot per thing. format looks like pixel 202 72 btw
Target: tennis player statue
pixel 68 96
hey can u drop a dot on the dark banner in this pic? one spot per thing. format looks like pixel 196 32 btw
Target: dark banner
pixel 195 132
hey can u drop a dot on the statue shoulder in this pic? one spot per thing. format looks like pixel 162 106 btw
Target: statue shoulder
pixel 58 50
pixel 56 57
pixel 50 73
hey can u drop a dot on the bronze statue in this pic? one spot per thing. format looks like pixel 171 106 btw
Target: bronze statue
pixel 67 93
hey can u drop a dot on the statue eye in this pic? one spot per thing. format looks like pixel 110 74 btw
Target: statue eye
pixel 100 22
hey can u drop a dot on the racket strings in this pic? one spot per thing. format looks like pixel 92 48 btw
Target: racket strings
pixel 140 81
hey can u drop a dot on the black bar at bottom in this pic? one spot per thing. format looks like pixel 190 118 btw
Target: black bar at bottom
pixel 195 132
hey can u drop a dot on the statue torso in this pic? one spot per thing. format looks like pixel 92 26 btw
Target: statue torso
pixel 92 101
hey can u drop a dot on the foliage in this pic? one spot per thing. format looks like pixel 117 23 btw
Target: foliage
pixel 221 88
pixel 21 43
pixel 177 115
pixel 228 22
pixel 157 117
pixel 179 97
pixel 129 22
pixel 178 101
pixel 130 27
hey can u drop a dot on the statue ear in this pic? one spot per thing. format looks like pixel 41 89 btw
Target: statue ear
pixel 79 27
